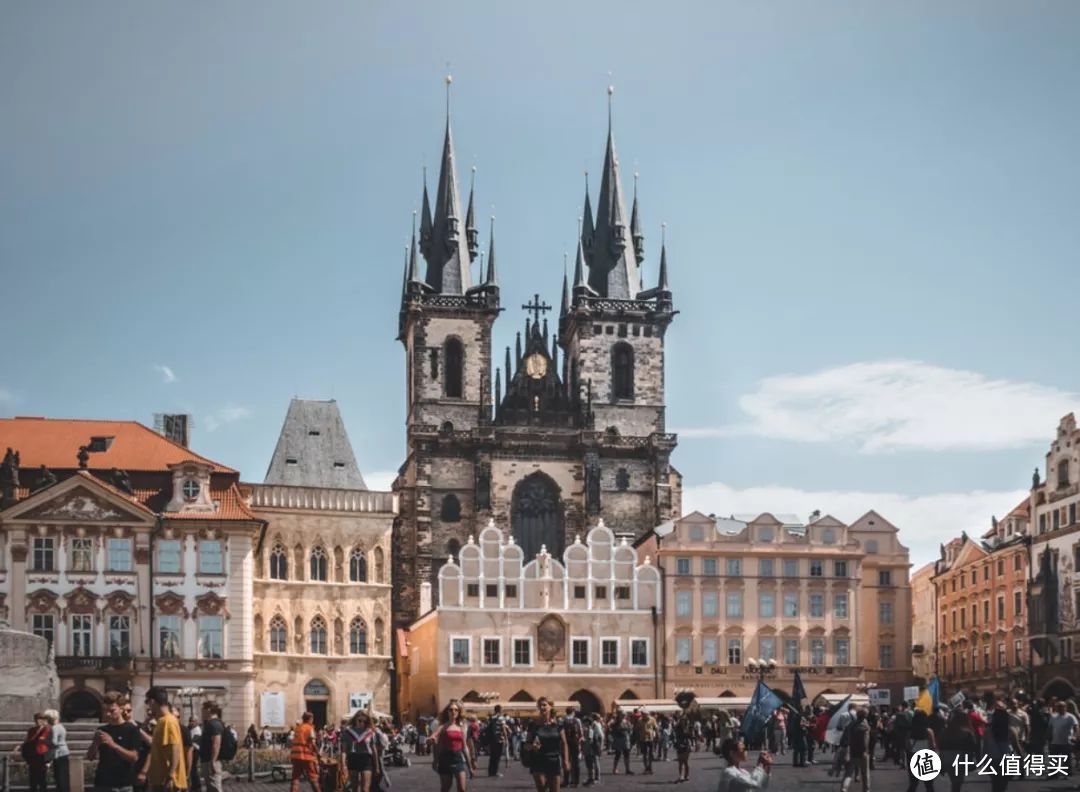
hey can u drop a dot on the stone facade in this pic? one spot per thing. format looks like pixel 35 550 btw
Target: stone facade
pixel 923 622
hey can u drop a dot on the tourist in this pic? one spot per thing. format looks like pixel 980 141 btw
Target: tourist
pixel 683 736
pixel 1062 727
pixel 210 737
pixel 998 743
pixel 593 747
pixel 797 727
pixel 35 752
pixel 549 755
pixel 920 736
pixel 304 754
pixel 115 747
pixel 958 741
pixel 450 748
pixel 574 735
pixel 191 764
pixel 168 768
pixel 648 734
pixel 58 749
pixel 732 777
pixel 498 734
pixel 857 738
pixel 619 733
pixel 1018 726
pixel 472 733
pixel 363 747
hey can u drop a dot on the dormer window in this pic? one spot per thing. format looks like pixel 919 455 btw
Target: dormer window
pixel 99 445
pixel 190 489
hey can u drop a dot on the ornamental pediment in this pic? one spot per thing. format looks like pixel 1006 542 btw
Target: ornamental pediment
pixel 80 505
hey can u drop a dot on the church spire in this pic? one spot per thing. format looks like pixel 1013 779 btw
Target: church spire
pixel 492 276
pixel 470 220
pixel 635 228
pixel 413 271
pixel 564 308
pixel 425 220
pixel 448 254
pixel 662 284
pixel 587 226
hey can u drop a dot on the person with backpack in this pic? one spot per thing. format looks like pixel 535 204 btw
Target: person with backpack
pixel 212 748
pixel 35 752
pixel 592 747
pixel 497 736
pixel 857 737
pixel 574 737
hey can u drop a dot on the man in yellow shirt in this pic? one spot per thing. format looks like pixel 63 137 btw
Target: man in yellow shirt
pixel 168 770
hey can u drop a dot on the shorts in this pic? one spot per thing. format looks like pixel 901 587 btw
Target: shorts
pixel 546 765
pixel 360 762
pixel 305 768
pixel 452 763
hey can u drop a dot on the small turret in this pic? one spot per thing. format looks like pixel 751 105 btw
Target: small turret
pixel 471 234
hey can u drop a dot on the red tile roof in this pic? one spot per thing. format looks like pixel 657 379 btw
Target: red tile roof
pixel 55 442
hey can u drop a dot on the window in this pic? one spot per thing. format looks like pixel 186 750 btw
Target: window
pixel 682 566
pixel 1018 651
pixel 840 606
pixel 492 651
pixel 885 656
pixel 279 563
pixel 1001 566
pixel 767 648
pixel 168 556
pixel 639 652
pixel 1042 523
pixel 986 572
pixel 1018 603
pixel 791 605
pixel 358 643
pixel 318 636
pixel 454 368
pixel 963 618
pixel 840 569
pixel 709 604
pixel 828 536
pixel 817 606
pixel 119 636
pixel 579 592
pixel 1063 474
pixel 279 635
pixel 1018 562
pixel 211 561
pixel 82 554
pixel 473 590
pixel 459 651
pixel 791 651
pixel 1001 659
pixel 43 626
pixel 318 564
pixel 682 603
pixel 451 509
pixel 791 567
pixel 523 652
pixel 963 663
pixel 734 567
pixel 986 611
pixel 82 635
pixel 708 567
pixel 767 605
pixel 974 614
pixel 734 651
pixel 710 650
pixel 885 612
pixel 986 657
pixel 884 577
pixel 169 640
pixel 609 652
pixel 842 647
pixel 697 532
pixel 601 592
pixel 734 604
pixel 433 363
pixel 765 568
pixel 43 554
pixel 511 591
pixel 974 576
pixel 682 650
pixel 1072 514
pixel 118 555
pixel 358 566
pixel 622 372
pixel 491 590
pixel 579 651
pixel 765 535
pixel 816 568
pixel 871 546
pixel 817 652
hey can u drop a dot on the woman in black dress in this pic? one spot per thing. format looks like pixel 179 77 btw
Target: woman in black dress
pixel 549 755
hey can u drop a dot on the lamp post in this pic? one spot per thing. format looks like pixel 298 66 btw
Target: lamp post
pixel 391 669
pixel 762 668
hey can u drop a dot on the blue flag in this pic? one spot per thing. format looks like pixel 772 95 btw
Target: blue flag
pixel 762 705
pixel 798 692
pixel 935 691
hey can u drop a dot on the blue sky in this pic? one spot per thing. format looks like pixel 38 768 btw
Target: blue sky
pixel 872 216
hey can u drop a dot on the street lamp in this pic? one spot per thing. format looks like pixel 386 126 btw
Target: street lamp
pixel 761 667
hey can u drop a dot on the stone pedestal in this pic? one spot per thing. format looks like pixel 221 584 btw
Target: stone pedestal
pixel 29 682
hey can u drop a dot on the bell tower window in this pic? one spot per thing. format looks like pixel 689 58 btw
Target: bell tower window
pixel 454 369
pixel 622 372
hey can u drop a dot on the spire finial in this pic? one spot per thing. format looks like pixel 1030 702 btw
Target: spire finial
pixel 663 233
pixel 449 82
pixel 610 102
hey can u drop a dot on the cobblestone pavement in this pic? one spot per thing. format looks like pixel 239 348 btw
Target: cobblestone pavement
pixel 704 772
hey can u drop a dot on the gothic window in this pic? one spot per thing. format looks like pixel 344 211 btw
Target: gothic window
pixel 537 516
pixel 358 637
pixel 379 636
pixel 433 363
pixel 379 571
pixel 318 564
pixel 1063 473
pixel 453 370
pixel 279 635
pixel 358 566
pixel 622 480
pixel 279 563
pixel 318 635
pixel 622 372
pixel 451 509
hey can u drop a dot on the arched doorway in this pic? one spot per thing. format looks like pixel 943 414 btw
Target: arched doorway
pixel 521 696
pixel 587 702
pixel 1060 689
pixel 316 700
pixel 81 705
pixel 537 516
pixel 628 695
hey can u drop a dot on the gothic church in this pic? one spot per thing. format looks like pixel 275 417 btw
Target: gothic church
pixel 571 429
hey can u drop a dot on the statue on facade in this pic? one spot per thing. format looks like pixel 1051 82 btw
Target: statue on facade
pixel 592 484
pixel 9 478
pixel 121 480
pixel 1035 479
pixel 483 486
pixel 46 478
pixel 83 456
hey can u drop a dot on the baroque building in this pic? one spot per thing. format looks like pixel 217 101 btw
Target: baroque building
pixel 133 556
pixel 321 589
pixel 571 429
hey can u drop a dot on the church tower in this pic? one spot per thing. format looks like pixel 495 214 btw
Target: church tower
pixel 569 430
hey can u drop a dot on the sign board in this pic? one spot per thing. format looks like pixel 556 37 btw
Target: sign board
pixel 272 709
pixel 879 697
pixel 359 701
pixel 911 692
pixel 957 700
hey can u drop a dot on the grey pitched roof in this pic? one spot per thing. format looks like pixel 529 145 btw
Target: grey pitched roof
pixel 313 449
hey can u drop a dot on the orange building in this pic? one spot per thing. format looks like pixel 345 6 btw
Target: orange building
pixel 981 608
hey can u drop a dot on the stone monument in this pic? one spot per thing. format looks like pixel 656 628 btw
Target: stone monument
pixel 28 680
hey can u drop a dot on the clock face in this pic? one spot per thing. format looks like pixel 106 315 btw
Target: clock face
pixel 536 365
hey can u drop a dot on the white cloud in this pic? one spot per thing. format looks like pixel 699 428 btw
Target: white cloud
pixel 380 480
pixel 167 374
pixel 900 405
pixel 6 396
pixel 925 521
pixel 225 415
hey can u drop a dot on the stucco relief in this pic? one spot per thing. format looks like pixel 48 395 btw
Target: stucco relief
pixel 170 604
pixel 211 605
pixel 79 504
pixel 551 639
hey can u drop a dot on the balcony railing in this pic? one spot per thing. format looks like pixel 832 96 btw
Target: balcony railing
pixel 93 663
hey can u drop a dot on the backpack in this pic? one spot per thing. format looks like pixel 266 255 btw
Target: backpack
pixel 227 751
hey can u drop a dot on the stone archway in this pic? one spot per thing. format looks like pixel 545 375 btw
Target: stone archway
pixel 537 516
pixel 587 702
pixel 1058 688
pixel 81 704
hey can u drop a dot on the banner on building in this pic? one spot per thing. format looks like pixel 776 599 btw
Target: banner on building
pixel 880 697
pixel 272 709
pixel 911 692
pixel 359 701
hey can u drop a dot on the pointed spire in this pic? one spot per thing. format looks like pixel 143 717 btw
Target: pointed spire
pixel 448 254
pixel 579 269
pixel 470 220
pixel 413 275
pixel 498 388
pixel 518 350
pixel 587 228
pixel 662 284
pixel 509 370
pixel 545 333
pixel 555 351
pixel 425 219
pixel 565 305
pixel 492 276
pixel 405 275
pixel 635 228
